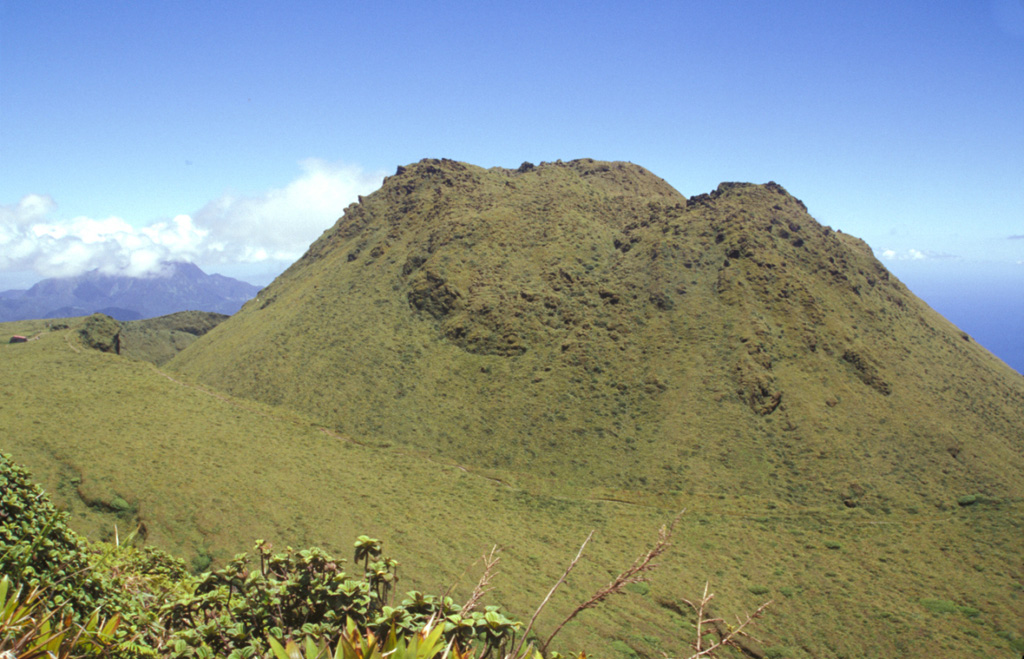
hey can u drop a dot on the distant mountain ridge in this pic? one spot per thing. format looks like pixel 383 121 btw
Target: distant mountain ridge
pixel 185 288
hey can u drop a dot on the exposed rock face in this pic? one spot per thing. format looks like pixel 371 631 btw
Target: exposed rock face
pixel 585 322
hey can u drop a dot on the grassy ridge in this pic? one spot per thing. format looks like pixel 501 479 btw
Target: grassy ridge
pixel 226 471
pixel 454 366
pixel 581 327
pixel 206 474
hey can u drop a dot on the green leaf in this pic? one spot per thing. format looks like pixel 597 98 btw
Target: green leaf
pixel 277 648
pixel 107 633
pixel 312 651
pixel 431 643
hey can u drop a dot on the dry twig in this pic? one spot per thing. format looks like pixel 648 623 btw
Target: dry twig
pixel 729 637
pixel 734 636
pixel 635 574
pixel 561 580
pixel 490 562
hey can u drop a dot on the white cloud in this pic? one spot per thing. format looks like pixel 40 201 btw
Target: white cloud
pixel 275 226
pixel 280 224
pixel 914 255
pixel 31 240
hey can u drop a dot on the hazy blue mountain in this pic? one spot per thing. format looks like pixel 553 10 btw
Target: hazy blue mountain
pixel 185 287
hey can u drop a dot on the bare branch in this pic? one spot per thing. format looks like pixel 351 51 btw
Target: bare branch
pixel 551 592
pixel 635 574
pixel 699 608
pixel 727 636
pixel 490 562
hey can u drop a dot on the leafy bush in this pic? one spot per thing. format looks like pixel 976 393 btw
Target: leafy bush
pixel 38 550
pixel 29 629
pixel 306 597
pixel 232 611
pixel 424 644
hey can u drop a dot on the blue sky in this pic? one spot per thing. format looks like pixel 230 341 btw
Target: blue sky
pixel 234 133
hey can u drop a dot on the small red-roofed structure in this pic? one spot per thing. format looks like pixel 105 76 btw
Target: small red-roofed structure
pixel 17 338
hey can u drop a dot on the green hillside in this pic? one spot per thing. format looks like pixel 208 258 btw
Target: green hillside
pixel 158 339
pixel 474 357
pixel 117 442
pixel 584 328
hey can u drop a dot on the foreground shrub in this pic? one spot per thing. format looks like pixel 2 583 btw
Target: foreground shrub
pixel 38 550
pixel 30 629
pixel 262 599
pixel 424 644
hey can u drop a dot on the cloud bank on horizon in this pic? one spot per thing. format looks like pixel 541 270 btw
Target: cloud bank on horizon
pixel 913 255
pixel 277 225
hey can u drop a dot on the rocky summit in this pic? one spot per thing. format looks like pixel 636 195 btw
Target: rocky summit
pixel 584 325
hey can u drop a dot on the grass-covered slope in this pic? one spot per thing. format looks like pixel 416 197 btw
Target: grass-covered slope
pixel 585 327
pixel 471 357
pixel 117 443
pixel 159 339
